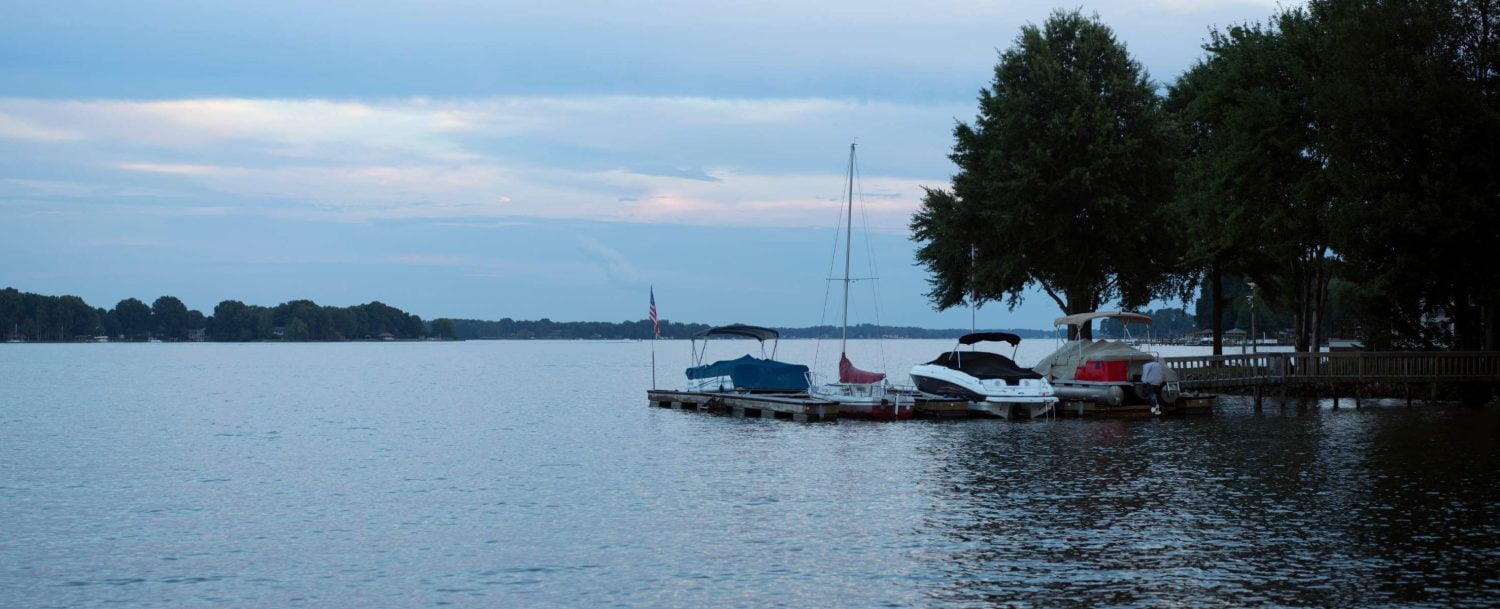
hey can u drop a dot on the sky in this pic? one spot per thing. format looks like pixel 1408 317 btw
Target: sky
pixel 484 159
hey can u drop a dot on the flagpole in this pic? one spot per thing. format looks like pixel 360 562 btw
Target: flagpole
pixel 655 333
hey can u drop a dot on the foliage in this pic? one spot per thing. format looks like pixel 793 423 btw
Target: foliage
pixel 1252 191
pixel 169 318
pixel 441 328
pixel 134 319
pixel 1165 323
pixel 1413 93
pixel 27 316
pixel 1062 180
pixel 306 320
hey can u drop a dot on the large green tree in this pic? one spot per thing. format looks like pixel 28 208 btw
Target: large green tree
pixel 1412 98
pixel 134 318
pixel 1251 191
pixel 1062 180
pixel 169 318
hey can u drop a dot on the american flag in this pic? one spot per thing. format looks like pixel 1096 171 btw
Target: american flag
pixel 655 329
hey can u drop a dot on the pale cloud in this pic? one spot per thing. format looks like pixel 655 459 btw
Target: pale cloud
pixel 171 168
pixel 16 128
pixel 616 158
pixel 616 266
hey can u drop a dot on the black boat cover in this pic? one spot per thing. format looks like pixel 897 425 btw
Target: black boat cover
pixel 984 365
pixel 999 337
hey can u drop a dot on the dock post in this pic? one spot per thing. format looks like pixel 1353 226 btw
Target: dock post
pixel 1257 397
pixel 1434 393
pixel 1283 393
pixel 1408 395
pixel 1359 392
pixel 1335 397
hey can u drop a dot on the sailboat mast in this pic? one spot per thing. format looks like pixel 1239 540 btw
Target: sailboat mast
pixel 848 239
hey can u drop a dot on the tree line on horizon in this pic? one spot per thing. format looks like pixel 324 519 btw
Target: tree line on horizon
pixel 507 328
pixel 37 317
pixel 1334 164
pixel 41 318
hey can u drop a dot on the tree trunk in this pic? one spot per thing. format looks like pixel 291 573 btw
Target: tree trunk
pixel 1216 283
pixel 1079 301
pixel 1301 306
pixel 1320 301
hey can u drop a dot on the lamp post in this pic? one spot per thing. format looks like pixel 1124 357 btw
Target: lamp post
pixel 1255 346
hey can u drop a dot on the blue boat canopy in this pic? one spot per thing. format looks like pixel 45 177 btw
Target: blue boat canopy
pixel 755 374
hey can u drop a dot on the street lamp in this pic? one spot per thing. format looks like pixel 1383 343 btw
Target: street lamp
pixel 1255 347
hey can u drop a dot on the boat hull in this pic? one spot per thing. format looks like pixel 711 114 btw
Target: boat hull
pixel 941 380
pixel 866 401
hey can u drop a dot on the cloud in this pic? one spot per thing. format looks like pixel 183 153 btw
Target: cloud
pixel 12 127
pixel 686 173
pixel 614 264
pixel 653 159
pixel 179 168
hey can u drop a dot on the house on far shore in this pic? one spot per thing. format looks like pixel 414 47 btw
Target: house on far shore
pixel 387 336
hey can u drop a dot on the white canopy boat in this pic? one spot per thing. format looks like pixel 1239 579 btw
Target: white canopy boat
pixel 1102 371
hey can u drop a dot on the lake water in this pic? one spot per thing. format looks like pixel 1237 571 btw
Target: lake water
pixel 533 474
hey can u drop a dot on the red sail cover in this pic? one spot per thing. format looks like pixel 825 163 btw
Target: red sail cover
pixel 849 374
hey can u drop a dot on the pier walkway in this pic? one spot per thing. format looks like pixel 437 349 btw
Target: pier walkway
pixel 1353 372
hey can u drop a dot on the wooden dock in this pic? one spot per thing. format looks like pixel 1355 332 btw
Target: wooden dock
pixel 1341 374
pixel 940 408
pixel 760 405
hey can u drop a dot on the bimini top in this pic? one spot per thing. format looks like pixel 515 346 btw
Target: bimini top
pixel 1078 319
pixel 999 337
pixel 755 332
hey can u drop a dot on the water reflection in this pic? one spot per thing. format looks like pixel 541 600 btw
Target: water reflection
pixel 1286 507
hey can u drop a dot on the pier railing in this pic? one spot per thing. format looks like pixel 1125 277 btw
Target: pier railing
pixel 1256 369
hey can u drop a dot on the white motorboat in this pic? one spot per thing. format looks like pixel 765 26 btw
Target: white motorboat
pixel 994 384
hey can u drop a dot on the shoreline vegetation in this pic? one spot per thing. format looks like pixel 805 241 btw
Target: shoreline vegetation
pixel 1336 158
pixel 28 317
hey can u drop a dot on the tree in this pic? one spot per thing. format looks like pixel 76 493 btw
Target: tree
pixel 232 321
pixel 169 318
pixel 1062 180
pixel 442 328
pixel 1251 190
pixel 1413 92
pixel 134 318
pixel 108 322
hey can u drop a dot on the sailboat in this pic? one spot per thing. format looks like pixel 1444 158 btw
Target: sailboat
pixel 859 393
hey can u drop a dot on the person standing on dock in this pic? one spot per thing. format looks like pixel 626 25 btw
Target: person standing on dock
pixel 1154 376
